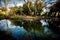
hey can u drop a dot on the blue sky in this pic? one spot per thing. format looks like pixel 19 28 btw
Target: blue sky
pixel 20 2
pixel 12 2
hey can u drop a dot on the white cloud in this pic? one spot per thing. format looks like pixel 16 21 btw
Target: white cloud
pixel 19 4
pixel 13 5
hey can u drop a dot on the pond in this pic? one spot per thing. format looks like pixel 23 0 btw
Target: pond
pixel 27 30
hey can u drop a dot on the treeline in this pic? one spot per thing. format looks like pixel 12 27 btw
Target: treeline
pixel 35 9
pixel 29 8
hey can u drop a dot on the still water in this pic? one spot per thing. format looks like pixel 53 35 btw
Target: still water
pixel 26 29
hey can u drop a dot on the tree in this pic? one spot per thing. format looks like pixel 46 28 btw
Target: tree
pixel 38 5
pixel 26 7
pixel 56 8
pixel 18 10
pixel 5 4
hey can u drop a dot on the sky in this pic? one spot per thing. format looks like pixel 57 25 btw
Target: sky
pixel 20 2
pixel 12 3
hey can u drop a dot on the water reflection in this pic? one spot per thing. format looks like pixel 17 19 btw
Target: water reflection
pixel 16 30
pixel 26 29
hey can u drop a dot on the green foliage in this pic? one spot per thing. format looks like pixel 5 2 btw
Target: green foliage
pixel 38 7
pixel 27 8
pixel 33 9
pixel 2 12
pixel 18 10
pixel 52 14
pixel 42 13
pixel 57 14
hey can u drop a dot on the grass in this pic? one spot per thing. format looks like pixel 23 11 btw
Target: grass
pixel 5 14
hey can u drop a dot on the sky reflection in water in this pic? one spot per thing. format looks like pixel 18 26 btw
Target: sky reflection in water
pixel 18 31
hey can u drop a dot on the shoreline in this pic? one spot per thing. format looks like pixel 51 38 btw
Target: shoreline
pixel 27 18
